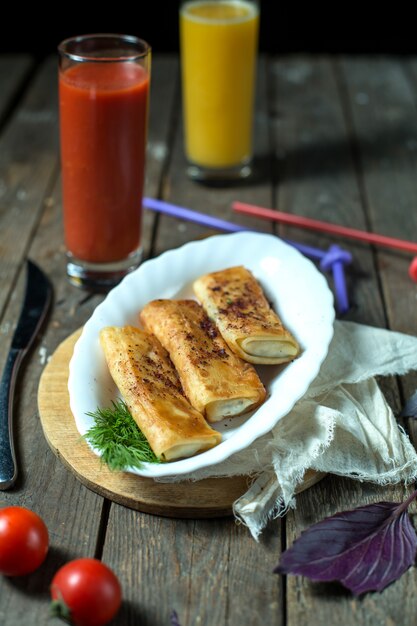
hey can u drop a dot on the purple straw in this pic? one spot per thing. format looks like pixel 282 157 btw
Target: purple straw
pixel 335 258
pixel 191 216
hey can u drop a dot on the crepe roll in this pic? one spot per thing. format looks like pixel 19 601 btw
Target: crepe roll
pixel 234 300
pixel 215 381
pixel 149 385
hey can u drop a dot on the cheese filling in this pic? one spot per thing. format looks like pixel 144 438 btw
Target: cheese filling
pixel 268 348
pixel 216 411
pixel 184 450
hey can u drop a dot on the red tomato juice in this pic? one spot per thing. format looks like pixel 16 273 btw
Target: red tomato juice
pixel 103 118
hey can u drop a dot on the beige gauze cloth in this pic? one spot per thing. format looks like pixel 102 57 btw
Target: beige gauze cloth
pixel 342 425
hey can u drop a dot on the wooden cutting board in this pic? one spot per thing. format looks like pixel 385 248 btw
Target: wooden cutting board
pixel 211 497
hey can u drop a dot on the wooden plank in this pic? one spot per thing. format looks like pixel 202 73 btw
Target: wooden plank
pixel 382 106
pixel 316 174
pixel 28 161
pixel 409 383
pixel 152 556
pixel 382 95
pixel 382 101
pixel 14 68
pixel 72 514
pixel 254 592
pixel 318 178
pixel 209 572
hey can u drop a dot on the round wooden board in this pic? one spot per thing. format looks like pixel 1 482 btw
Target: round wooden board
pixel 211 497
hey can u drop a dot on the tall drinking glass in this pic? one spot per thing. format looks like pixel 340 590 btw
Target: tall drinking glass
pixel 219 41
pixel 103 100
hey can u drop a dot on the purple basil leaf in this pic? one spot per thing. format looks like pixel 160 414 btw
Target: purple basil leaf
pixel 174 618
pixel 365 549
pixel 410 408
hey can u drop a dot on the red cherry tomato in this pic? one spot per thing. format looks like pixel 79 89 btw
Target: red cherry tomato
pixel 23 541
pixel 86 592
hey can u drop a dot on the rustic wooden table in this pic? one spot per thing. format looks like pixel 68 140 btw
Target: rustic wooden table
pixel 336 139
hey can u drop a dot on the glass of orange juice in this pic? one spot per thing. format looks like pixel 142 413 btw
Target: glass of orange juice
pixel 218 41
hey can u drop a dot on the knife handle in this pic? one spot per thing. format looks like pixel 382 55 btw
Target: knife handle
pixel 8 468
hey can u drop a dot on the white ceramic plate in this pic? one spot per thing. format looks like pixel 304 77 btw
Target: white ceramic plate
pixel 297 290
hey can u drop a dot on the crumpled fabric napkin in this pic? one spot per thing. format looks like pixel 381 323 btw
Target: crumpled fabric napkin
pixel 343 425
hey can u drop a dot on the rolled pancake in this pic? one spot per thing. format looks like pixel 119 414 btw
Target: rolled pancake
pixel 234 300
pixel 215 380
pixel 149 385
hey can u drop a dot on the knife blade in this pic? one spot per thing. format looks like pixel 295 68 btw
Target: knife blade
pixel 37 299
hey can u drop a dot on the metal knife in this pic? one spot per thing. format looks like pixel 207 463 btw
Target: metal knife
pixel 38 296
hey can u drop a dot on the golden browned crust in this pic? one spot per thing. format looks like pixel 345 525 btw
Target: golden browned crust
pixel 149 384
pixel 234 300
pixel 215 381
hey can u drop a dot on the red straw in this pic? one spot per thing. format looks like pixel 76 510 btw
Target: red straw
pixel 324 227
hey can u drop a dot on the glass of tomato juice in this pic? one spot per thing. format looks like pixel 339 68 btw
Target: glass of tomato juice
pixel 104 84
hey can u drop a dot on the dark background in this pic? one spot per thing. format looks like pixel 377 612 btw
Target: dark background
pixel 301 27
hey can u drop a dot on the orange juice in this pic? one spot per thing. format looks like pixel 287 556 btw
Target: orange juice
pixel 218 59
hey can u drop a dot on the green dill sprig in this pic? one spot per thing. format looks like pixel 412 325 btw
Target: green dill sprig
pixel 117 437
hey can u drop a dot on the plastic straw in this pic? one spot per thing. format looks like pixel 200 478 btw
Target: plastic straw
pixel 324 227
